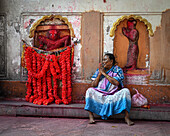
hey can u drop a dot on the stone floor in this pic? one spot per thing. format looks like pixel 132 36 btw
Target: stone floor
pixel 38 126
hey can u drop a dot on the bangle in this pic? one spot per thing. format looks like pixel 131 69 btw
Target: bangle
pixel 107 76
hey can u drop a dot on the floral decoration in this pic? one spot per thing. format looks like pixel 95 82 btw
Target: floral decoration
pixel 45 71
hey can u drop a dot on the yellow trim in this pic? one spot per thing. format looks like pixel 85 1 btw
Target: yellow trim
pixel 23 57
pixel 33 28
pixel 149 26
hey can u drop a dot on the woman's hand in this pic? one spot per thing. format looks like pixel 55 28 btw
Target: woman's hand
pixel 101 69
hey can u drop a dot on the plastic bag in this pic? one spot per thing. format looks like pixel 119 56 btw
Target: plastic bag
pixel 138 100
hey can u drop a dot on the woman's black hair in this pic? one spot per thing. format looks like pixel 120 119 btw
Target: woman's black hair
pixel 111 57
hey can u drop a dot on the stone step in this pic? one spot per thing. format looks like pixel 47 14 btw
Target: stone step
pixel 23 108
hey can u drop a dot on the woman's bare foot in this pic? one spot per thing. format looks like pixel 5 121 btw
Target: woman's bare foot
pixel 128 121
pixel 91 117
pixel 92 122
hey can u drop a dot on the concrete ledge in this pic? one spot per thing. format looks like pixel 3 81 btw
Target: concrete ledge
pixel 23 108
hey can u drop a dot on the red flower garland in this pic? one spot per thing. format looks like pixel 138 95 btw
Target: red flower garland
pixel 29 81
pixel 56 65
pixel 42 69
pixel 68 74
pixel 35 96
pixel 39 80
pixel 49 85
pixel 64 78
pixel 44 85
pixel 55 77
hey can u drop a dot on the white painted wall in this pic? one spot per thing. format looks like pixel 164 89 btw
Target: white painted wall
pixel 18 13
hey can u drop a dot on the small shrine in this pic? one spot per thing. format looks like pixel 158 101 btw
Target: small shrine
pixel 132 48
pixel 49 61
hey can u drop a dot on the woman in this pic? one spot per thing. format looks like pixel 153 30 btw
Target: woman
pixel 104 98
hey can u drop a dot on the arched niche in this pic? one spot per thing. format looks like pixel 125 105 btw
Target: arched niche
pixel 46 23
pixel 121 43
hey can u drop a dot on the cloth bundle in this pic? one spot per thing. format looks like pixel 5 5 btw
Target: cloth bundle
pixel 138 100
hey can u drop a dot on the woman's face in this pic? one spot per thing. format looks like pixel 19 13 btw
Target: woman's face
pixel 107 63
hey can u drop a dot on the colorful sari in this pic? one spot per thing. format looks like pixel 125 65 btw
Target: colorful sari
pixel 105 99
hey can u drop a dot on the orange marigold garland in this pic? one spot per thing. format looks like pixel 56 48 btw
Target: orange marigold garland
pixel 56 65
pixel 44 85
pixel 64 77
pixel 39 80
pixel 68 62
pixel 44 71
pixel 49 83
pixel 29 81
pixel 56 75
pixel 35 96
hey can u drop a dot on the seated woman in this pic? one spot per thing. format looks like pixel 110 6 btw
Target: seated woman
pixel 107 96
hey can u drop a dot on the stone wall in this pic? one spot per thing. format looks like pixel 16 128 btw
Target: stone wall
pixel 18 16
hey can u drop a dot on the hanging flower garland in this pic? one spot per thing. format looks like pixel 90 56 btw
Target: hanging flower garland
pixel 44 85
pixel 35 96
pixel 39 80
pixel 29 81
pixel 68 62
pixel 56 75
pixel 44 73
pixel 49 85
pixel 64 77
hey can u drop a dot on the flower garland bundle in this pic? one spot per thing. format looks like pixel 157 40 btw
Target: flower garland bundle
pixel 29 81
pixel 64 77
pixel 57 98
pixel 29 89
pixel 44 85
pixel 56 75
pixel 57 67
pixel 39 80
pixel 33 72
pixel 42 70
pixel 49 85
pixel 34 67
pixel 68 62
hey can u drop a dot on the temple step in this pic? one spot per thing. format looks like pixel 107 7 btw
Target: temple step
pixel 23 108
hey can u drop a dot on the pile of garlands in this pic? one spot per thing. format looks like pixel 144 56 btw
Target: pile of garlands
pixel 45 71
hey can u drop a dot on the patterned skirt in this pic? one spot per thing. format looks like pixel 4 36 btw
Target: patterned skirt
pixel 107 105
